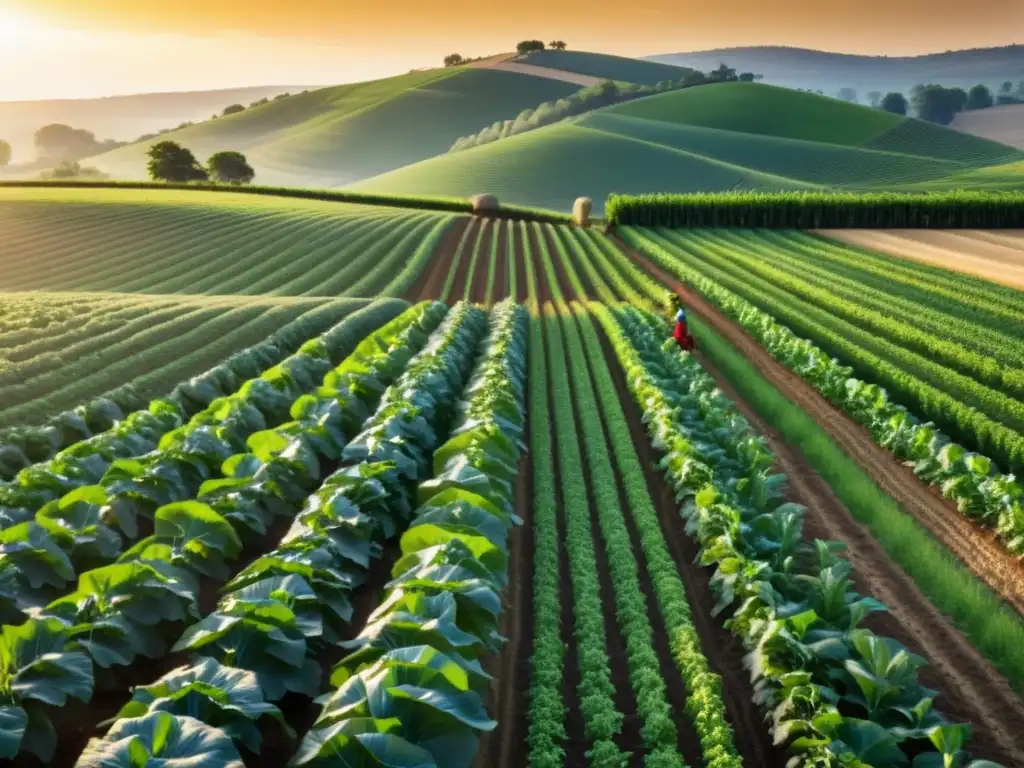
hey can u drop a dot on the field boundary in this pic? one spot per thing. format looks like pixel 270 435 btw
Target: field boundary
pixel 449 204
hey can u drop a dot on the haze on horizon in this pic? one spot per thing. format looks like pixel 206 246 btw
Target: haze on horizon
pixel 88 48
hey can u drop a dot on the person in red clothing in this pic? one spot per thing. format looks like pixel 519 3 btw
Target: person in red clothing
pixel 681 332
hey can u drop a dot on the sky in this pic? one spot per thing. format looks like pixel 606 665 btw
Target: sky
pixel 88 48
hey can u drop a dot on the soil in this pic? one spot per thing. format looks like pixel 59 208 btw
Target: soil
pixel 430 281
pixel 972 689
pixel 724 652
pixel 482 268
pixel 544 237
pixel 462 269
pixel 978 548
pixel 957 250
pixel 519 257
pixel 501 265
pixel 508 701
pixel 544 292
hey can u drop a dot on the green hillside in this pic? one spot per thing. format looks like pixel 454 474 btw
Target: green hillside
pixel 338 135
pixel 708 138
pixel 606 67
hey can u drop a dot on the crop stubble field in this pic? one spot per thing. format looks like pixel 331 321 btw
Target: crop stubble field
pixel 566 502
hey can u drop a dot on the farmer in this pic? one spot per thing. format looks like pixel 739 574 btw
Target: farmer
pixel 681 333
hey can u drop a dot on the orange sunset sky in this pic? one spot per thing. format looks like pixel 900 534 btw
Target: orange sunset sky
pixel 84 48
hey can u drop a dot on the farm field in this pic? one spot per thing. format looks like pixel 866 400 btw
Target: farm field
pixel 493 519
pixel 995 256
pixel 198 244
pixel 715 137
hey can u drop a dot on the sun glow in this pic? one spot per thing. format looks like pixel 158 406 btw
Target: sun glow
pixel 16 27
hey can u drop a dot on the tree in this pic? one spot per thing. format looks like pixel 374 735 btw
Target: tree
pixel 5 154
pixel 529 46
pixel 724 73
pixel 233 109
pixel 848 94
pixel 937 104
pixel 874 98
pixel 979 97
pixel 169 161
pixel 1007 87
pixel 57 141
pixel 558 45
pixel 453 60
pixel 894 102
pixel 746 77
pixel 230 168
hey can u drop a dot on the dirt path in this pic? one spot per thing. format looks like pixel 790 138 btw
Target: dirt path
pixel 956 250
pixel 979 549
pixel 503 63
pixel 508 701
pixel 973 690
pixel 430 281
pixel 482 268
pixel 462 269
pixel 1004 123
pixel 724 652
pixel 501 266
pixel 540 275
pixel 518 257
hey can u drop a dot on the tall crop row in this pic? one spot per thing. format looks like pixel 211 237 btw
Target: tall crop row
pixel 199 520
pixel 412 687
pixel 792 603
pixel 973 481
pixel 818 210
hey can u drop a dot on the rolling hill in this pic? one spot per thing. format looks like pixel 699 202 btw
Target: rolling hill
pixel 334 136
pixel 606 67
pixel 804 68
pixel 122 118
pixel 1004 124
pixel 709 138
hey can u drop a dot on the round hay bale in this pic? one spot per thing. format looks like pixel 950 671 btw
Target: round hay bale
pixel 581 211
pixel 484 204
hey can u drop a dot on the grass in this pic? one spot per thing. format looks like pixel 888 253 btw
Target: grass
pixel 712 138
pixel 58 350
pixel 334 136
pixel 606 67
pixel 946 582
pixel 177 241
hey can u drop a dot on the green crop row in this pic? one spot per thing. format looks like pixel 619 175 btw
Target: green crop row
pixel 546 715
pixel 284 610
pixel 704 705
pixel 601 720
pixel 818 210
pixel 23 446
pixel 792 603
pixel 440 613
pixel 110 620
pixel 972 481
pixel 965 321
pixel 933 357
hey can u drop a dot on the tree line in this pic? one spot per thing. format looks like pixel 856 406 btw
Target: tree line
pixel 936 103
pixel 170 162
pixel 522 48
pixel 592 97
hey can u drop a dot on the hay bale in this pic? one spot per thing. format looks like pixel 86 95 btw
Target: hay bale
pixel 484 204
pixel 581 211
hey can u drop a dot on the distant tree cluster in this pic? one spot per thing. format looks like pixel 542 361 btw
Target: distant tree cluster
pixel 603 94
pixel 72 169
pixel 938 104
pixel 59 142
pixel 171 162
